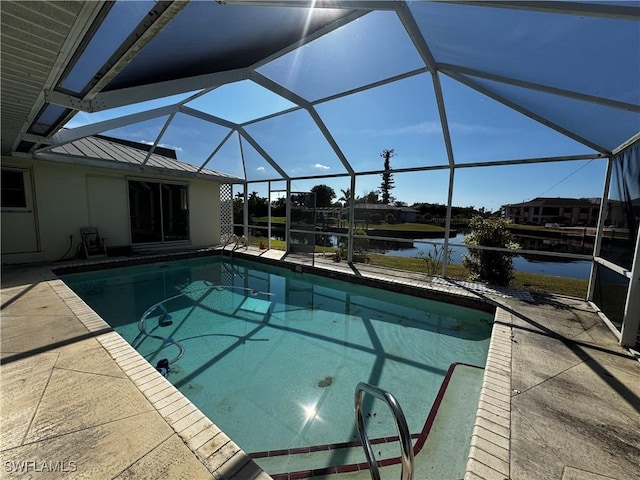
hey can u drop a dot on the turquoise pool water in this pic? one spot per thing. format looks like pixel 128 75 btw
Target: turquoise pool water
pixel 273 357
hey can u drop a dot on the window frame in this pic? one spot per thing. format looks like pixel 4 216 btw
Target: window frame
pixel 25 190
pixel 163 233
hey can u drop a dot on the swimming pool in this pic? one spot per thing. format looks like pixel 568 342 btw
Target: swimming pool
pixel 272 357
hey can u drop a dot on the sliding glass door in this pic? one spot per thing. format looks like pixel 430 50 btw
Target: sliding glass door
pixel 158 212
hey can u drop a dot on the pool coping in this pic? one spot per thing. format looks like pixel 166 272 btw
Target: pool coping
pixel 489 454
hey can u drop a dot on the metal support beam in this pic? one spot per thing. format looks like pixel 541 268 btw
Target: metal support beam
pixel 207 117
pixel 159 137
pixel 447 228
pixel 287 225
pixel 344 4
pixel 66 100
pixel 442 113
pixel 269 215
pixel 217 149
pixel 352 218
pixel 413 30
pixel 607 102
pixel 66 136
pixel 82 24
pixel 262 152
pixel 597 245
pixel 606 10
pixel 30 137
pixel 128 96
pixel 163 13
pixel 518 108
pixel 302 102
pixel 245 212
pixel 631 319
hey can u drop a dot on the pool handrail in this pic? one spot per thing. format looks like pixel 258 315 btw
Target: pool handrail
pixel 228 240
pixel 404 435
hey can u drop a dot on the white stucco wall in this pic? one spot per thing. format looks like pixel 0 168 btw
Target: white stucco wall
pixel 68 197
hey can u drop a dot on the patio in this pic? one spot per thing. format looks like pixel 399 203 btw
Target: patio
pixel 561 397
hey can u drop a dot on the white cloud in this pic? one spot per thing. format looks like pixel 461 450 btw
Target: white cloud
pixel 323 167
pixel 260 169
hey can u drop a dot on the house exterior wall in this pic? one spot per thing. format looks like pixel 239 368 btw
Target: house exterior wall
pixel 68 197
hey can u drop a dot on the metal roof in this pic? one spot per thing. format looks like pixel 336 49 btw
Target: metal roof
pixel 60 58
pixel 113 153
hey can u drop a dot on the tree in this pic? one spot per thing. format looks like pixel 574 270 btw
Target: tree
pixel 324 195
pixel 371 197
pixel 258 206
pixel 279 207
pixel 387 177
pixel 346 197
pixel 238 208
pixel 488 265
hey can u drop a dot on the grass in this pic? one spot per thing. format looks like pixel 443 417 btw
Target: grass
pixel 399 227
pixel 534 282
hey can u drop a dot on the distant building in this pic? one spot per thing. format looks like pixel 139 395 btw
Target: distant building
pixel 564 211
pixel 363 211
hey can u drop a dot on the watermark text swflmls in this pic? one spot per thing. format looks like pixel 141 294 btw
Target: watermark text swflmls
pixel 25 466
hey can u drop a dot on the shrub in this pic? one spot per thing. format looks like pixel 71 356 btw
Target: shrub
pixel 434 259
pixel 488 265
pixel 375 218
pixel 360 248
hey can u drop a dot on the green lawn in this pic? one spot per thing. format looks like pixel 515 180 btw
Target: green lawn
pixel 399 227
pixel 534 282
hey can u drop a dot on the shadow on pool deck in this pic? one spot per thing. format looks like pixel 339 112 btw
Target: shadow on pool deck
pixel 92 412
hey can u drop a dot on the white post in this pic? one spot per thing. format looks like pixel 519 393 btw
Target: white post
pixel 245 211
pixel 631 319
pixel 597 243
pixel 269 216
pixel 447 228
pixel 352 218
pixel 287 228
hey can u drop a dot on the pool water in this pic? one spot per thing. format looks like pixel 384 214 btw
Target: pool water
pixel 273 357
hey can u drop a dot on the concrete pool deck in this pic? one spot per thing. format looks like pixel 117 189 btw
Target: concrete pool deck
pixel 561 399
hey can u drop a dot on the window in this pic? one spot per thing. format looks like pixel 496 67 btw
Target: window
pixel 13 189
pixel 158 212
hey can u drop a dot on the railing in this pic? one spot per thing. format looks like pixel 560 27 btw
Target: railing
pixel 228 240
pixel 401 425
pixel 243 239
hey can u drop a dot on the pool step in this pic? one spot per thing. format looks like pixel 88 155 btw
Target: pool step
pixel 317 461
pixel 435 440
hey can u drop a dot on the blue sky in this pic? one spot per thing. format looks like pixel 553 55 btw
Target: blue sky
pixel 402 115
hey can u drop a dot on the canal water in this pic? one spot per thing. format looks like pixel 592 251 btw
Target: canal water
pixel 537 263
pixel 545 264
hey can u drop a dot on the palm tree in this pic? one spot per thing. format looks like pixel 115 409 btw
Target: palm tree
pixel 346 197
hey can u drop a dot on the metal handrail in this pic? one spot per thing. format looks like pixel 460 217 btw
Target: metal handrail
pixel 229 238
pixel 242 239
pixel 401 425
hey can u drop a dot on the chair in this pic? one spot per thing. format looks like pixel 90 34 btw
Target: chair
pixel 92 243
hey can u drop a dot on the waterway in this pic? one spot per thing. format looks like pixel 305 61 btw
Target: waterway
pixel 531 263
pixel 545 264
